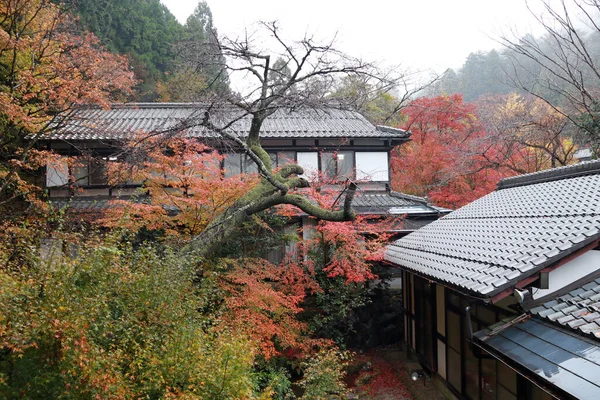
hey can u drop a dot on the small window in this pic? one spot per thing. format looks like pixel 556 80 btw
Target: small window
pixel 372 166
pixel 285 158
pixel 454 369
pixel 338 165
pixel 98 171
pixel 232 164
pixel 273 157
pixel 81 172
pixel 250 166
pixel 89 172
pixel 345 164
pixel 309 161
pixel 328 165
pixel 57 173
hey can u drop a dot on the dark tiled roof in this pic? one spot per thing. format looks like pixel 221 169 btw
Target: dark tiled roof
pixel 558 358
pixel 570 171
pixel 82 204
pixel 393 199
pixel 394 203
pixel 494 242
pixel 122 121
pixel 578 309
pixel 363 203
pixel 99 204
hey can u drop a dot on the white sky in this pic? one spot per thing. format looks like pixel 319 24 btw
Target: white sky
pixel 426 34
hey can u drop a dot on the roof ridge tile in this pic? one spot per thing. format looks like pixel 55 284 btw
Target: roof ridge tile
pixel 549 175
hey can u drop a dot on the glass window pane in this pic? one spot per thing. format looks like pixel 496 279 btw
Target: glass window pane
pixel 328 166
pixel 488 379
pixel 250 166
pixel 504 394
pixel 471 371
pixel 98 172
pixel 273 157
pixel 232 165
pixel 286 157
pixel 57 172
pixel 81 172
pixel 309 161
pixel 453 298
pixel 345 165
pixel 372 166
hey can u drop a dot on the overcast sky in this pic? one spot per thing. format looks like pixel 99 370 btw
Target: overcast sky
pixel 431 34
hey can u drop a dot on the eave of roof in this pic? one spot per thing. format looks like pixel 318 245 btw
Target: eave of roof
pixel 490 245
pixel 578 310
pixel 122 121
pixel 567 364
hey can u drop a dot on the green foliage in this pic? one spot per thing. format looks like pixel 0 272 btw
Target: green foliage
pixel 274 375
pixel 116 323
pixel 258 236
pixel 481 74
pixel 143 29
pixel 150 35
pixel 378 105
pixel 329 312
pixel 324 374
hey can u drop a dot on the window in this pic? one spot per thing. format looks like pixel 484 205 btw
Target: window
pixel 471 376
pixel 232 164
pixel 250 166
pixel 282 158
pixel 309 161
pixel 97 173
pixel 345 164
pixel 285 157
pixel 507 382
pixel 372 166
pixel 57 173
pixel 89 172
pixel 338 165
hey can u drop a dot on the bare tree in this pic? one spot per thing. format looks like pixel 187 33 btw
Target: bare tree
pixel 296 75
pixel 524 134
pixel 562 67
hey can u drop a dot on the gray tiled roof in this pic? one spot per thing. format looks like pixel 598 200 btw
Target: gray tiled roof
pixel 365 203
pixel 99 204
pixel 489 245
pixel 124 120
pixel 393 199
pixel 578 309
pixel 82 204
pixel 395 203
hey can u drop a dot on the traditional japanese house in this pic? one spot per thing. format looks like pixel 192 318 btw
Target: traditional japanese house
pixel 502 296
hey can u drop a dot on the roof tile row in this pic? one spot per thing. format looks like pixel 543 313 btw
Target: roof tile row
pixel 122 121
pixel 492 243
pixel 578 310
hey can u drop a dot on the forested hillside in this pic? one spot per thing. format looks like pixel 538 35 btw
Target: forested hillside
pixel 482 73
pixel 155 42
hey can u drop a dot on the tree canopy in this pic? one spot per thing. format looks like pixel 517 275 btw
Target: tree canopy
pixel 153 39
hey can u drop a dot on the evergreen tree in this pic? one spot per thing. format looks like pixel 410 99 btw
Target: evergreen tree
pixel 147 32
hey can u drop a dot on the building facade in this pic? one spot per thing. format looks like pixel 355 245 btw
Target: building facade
pixel 329 143
pixel 502 297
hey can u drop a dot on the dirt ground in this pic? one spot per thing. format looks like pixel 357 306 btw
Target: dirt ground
pixel 381 374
